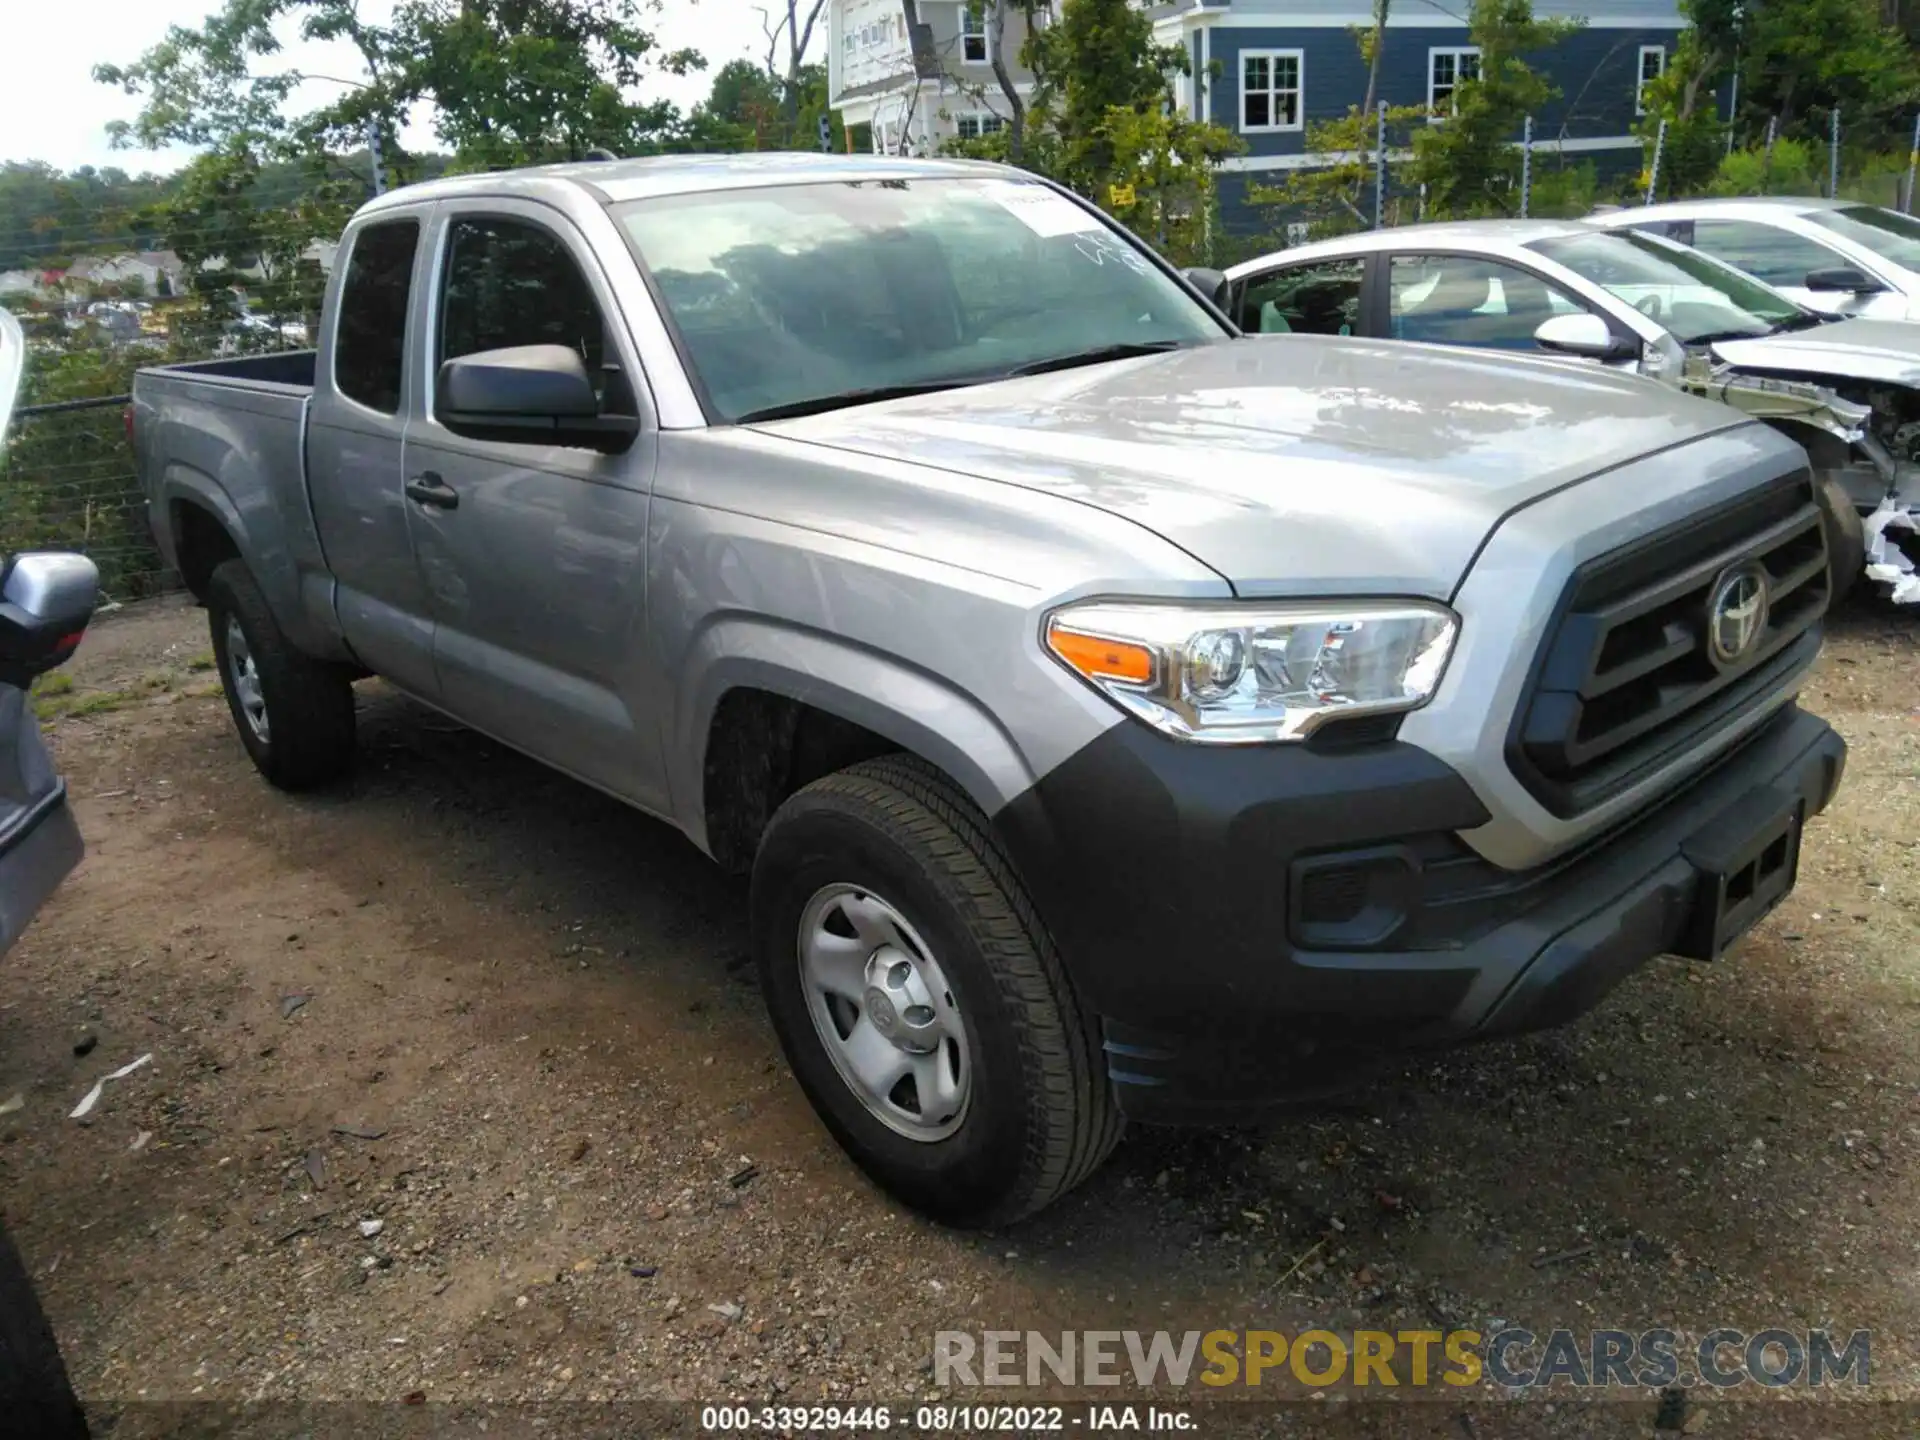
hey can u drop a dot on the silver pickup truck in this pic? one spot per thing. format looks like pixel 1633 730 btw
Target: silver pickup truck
pixel 1118 718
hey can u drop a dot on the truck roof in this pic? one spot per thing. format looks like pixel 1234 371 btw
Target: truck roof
pixel 609 181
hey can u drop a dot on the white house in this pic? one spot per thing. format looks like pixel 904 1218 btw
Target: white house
pixel 147 267
pixel 914 96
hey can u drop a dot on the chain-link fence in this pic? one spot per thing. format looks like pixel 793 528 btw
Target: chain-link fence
pixel 96 308
pixel 67 482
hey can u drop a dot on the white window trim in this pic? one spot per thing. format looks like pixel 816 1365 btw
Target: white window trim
pixel 1434 52
pixel 980 117
pixel 1299 91
pixel 1640 76
pixel 967 15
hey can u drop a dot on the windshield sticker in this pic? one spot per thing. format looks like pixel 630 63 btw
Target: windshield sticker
pixel 1041 210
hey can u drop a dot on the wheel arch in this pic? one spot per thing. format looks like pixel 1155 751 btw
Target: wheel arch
pixel 772 709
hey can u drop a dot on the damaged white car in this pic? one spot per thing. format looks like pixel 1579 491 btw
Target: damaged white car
pixel 1847 390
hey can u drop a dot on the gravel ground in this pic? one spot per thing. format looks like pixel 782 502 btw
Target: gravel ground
pixel 461 1091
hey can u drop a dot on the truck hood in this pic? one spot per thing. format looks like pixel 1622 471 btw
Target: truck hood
pixel 1878 351
pixel 1293 464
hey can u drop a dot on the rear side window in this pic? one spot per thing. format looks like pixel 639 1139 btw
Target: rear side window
pixel 370 344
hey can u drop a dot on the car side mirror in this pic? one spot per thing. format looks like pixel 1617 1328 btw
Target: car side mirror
pixel 46 600
pixel 1584 335
pixel 1209 282
pixel 1843 279
pixel 529 395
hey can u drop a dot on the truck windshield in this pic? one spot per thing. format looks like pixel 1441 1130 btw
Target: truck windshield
pixel 1886 233
pixel 795 298
pixel 1697 299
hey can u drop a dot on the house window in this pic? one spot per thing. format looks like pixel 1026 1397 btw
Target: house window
pixel 1446 70
pixel 1653 64
pixel 973 35
pixel 972 127
pixel 1269 90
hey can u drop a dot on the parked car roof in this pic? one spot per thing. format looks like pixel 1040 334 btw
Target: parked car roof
pixel 1470 233
pixel 1728 205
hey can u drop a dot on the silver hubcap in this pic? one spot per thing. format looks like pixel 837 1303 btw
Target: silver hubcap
pixel 885 1012
pixel 245 678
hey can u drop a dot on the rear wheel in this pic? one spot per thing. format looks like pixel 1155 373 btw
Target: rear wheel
pixel 294 713
pixel 919 998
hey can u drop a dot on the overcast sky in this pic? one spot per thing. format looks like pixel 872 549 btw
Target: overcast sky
pixel 51 109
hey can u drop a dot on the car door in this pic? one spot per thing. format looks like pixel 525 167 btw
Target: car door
pixel 1310 297
pixel 533 555
pixel 1485 304
pixel 1784 258
pixel 355 431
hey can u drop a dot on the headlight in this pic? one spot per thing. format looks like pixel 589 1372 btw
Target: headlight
pixel 1251 674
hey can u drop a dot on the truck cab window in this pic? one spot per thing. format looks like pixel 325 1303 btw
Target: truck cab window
pixel 370 342
pixel 513 283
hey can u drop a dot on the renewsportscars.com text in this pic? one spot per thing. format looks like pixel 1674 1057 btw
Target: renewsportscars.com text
pixel 1510 1358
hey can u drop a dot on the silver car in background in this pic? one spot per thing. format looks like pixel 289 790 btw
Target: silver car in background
pixel 1847 390
pixel 1834 256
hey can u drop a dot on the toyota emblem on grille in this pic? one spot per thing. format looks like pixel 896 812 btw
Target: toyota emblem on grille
pixel 1737 612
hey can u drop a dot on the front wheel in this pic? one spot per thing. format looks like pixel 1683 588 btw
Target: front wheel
pixel 1846 538
pixel 294 713
pixel 920 1001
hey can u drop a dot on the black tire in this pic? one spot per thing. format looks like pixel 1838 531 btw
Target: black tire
pixel 308 702
pixel 35 1394
pixel 1846 539
pixel 1041 1115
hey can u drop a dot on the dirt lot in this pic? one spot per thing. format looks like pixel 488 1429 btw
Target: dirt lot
pixel 514 1024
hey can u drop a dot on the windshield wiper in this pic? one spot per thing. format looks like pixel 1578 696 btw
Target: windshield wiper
pixel 1127 350
pixel 819 403
pixel 1806 321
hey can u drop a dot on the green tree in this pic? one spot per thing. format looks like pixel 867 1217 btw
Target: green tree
pixel 1799 59
pixel 514 82
pixel 1470 164
pixel 1338 198
pixel 1686 97
pixel 1098 56
pixel 508 81
pixel 1161 178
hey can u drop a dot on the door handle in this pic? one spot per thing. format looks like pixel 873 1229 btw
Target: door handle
pixel 429 489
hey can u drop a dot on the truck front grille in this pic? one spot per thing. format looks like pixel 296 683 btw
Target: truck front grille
pixel 1629 679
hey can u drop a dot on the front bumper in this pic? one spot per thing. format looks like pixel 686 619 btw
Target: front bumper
pixel 1188 889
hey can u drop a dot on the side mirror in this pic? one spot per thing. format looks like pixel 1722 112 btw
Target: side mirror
pixel 1209 282
pixel 529 395
pixel 46 600
pixel 1584 335
pixel 1844 279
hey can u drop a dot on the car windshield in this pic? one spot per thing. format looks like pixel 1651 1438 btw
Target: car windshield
pixel 1697 299
pixel 1884 232
pixel 803 297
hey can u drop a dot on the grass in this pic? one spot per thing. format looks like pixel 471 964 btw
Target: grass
pixel 55 698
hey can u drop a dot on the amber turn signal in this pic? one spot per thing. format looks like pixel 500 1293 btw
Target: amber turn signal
pixel 1099 657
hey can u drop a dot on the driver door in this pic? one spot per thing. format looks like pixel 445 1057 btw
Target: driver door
pixel 533 555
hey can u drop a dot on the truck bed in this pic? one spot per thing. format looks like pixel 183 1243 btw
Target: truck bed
pixel 286 369
pixel 229 436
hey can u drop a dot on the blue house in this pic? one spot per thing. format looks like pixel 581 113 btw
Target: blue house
pixel 1282 64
